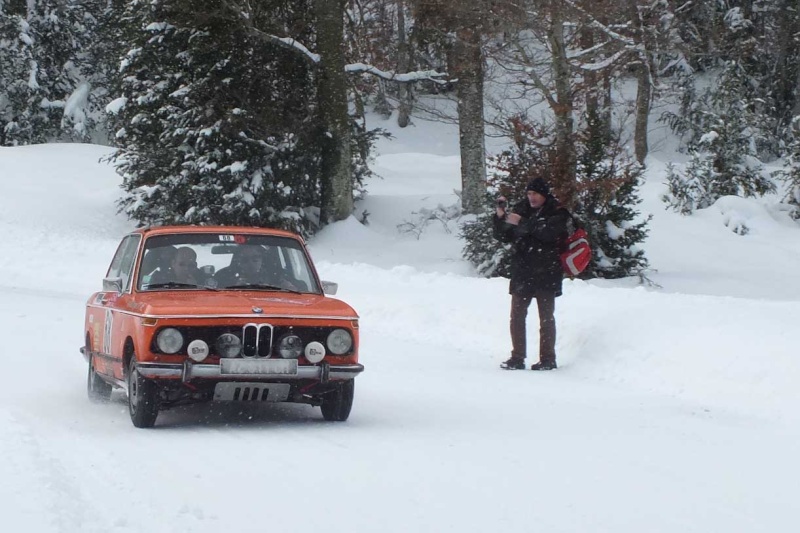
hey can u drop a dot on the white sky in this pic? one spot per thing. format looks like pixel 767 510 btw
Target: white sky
pixel 674 409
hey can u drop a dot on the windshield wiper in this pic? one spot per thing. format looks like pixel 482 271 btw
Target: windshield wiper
pixel 172 285
pixel 262 286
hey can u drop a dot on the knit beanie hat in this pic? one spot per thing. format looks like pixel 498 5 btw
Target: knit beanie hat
pixel 538 185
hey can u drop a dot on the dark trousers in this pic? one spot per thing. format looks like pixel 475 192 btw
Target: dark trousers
pixel 546 302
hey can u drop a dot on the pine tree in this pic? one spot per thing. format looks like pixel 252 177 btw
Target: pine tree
pixel 791 174
pixel 608 181
pixel 44 95
pixel 793 191
pixel 19 118
pixel 65 31
pixel 726 136
pixel 215 126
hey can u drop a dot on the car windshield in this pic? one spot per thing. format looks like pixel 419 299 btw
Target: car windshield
pixel 215 261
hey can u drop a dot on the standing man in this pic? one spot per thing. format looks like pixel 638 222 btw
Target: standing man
pixel 534 228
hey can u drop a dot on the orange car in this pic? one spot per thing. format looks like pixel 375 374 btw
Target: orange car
pixel 190 314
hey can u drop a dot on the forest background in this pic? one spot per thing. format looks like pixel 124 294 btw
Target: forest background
pixel 253 112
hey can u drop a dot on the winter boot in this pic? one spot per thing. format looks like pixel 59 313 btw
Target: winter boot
pixel 515 363
pixel 544 366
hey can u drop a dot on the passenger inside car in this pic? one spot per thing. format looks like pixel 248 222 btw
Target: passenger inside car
pixel 156 260
pixel 182 269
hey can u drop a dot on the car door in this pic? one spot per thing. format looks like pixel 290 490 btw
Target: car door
pixel 109 302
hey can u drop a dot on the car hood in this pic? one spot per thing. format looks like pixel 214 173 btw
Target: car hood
pixel 239 303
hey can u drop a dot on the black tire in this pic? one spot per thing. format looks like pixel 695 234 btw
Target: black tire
pixel 142 398
pixel 96 388
pixel 336 405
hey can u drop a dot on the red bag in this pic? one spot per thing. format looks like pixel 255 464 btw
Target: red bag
pixel 576 253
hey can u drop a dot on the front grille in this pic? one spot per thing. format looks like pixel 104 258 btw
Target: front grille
pixel 257 340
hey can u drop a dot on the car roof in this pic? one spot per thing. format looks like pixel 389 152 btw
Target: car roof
pixel 166 230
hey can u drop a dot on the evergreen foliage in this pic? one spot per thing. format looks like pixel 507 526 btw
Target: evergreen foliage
pixel 217 126
pixel 43 93
pixel 759 37
pixel 726 137
pixel 691 191
pixel 608 182
pixel 791 175
pixel 605 202
pixel 19 118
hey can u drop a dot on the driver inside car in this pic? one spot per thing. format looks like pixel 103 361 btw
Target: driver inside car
pixel 245 268
pixel 182 269
pixel 251 266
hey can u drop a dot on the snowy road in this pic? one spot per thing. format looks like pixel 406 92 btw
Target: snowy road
pixel 439 440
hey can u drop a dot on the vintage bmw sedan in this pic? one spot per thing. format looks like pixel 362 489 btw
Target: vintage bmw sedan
pixel 197 313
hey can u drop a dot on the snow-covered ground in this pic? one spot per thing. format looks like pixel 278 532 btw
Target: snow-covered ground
pixel 675 407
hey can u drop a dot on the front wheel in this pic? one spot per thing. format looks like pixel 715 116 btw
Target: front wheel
pixel 336 405
pixel 142 398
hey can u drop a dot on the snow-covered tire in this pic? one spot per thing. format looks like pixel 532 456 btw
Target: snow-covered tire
pixel 142 398
pixel 336 405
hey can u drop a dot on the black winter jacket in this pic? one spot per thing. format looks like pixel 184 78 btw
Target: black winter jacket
pixel 535 262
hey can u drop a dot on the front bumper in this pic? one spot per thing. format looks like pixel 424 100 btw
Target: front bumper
pixel 189 370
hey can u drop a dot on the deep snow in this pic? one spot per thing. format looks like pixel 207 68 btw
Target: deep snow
pixel 675 407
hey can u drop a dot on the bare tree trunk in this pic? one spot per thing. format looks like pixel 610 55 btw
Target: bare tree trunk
pixel 337 163
pixel 606 105
pixel 403 63
pixel 643 92
pixel 644 86
pixel 563 106
pixel 468 69
pixel 786 64
pixel 590 78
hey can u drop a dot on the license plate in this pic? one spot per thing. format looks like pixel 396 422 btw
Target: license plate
pixel 251 392
pixel 286 367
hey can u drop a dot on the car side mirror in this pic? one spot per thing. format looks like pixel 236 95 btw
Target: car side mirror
pixel 329 287
pixel 112 285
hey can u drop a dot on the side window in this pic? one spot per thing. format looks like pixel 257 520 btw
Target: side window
pixel 122 264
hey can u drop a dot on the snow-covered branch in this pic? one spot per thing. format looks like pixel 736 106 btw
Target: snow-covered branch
pixel 531 72
pixel 244 16
pixel 596 24
pixel 406 77
pixel 286 42
pixel 604 64
pixel 292 43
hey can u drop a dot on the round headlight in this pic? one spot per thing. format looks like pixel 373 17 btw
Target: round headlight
pixel 339 341
pixel 228 345
pixel 290 346
pixel 169 340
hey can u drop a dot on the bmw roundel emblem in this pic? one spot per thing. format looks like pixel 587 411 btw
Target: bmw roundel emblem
pixel 258 310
